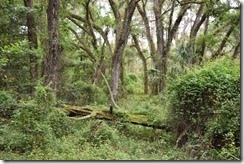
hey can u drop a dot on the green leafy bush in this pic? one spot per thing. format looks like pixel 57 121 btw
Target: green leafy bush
pixel 44 97
pixel 101 132
pixel 131 83
pixel 206 103
pixel 6 103
pixel 28 129
pixel 60 124
pixel 81 93
pixel 36 124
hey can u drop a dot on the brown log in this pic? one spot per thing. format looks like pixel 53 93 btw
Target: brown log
pixel 81 113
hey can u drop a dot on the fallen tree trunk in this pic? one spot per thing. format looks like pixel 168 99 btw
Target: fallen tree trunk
pixel 81 113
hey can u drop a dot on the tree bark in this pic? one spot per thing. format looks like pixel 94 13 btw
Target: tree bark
pixel 160 55
pixel 53 46
pixel 122 32
pixel 138 48
pixel 32 38
pixel 161 58
pixel 88 22
pixel 200 18
pixel 152 48
pixel 151 43
pixel 81 113
pixel 175 26
pixel 103 33
pixel 83 45
pixel 236 51
pixel 222 45
pixel 203 46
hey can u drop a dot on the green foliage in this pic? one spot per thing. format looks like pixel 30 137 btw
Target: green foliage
pixel 131 83
pixel 35 124
pixel 101 140
pixel 7 101
pixel 207 102
pixel 132 77
pixel 20 48
pixel 59 123
pixel 155 108
pixel 28 129
pixel 14 65
pixel 81 93
pixel 100 133
pixel 44 96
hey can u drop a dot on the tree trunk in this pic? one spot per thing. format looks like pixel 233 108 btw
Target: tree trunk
pixel 144 63
pixel 81 113
pixel 151 43
pixel 54 47
pixel 222 45
pixel 172 30
pixel 236 51
pixel 101 66
pixel 152 48
pixel 194 29
pixel 160 64
pixel 122 33
pixel 203 46
pixel 32 38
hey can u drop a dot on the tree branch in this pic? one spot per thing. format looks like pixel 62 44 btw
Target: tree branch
pixel 176 24
pixel 84 46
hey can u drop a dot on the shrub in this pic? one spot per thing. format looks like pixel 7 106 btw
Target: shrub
pixel 44 97
pixel 81 93
pixel 36 124
pixel 101 132
pixel 132 77
pixel 28 129
pixel 6 103
pixel 131 83
pixel 206 102
pixel 60 124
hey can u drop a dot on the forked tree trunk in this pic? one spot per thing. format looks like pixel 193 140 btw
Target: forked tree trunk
pixel 122 33
pixel 199 20
pixel 152 48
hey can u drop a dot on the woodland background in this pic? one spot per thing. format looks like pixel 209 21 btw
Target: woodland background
pixel 171 66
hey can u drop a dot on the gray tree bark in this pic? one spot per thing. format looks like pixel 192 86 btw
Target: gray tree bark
pixel 53 44
pixel 160 64
pixel 122 33
pixel 144 61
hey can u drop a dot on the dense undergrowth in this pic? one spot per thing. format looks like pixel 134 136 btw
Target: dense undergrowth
pixel 205 110
pixel 201 107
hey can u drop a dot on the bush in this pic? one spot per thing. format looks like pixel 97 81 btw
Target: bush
pixel 131 83
pixel 44 97
pixel 60 124
pixel 28 129
pixel 81 93
pixel 101 132
pixel 206 102
pixel 36 124
pixel 6 103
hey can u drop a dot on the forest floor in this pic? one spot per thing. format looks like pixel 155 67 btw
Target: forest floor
pixel 95 139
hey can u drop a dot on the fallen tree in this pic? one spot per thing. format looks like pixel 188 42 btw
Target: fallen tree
pixel 81 113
